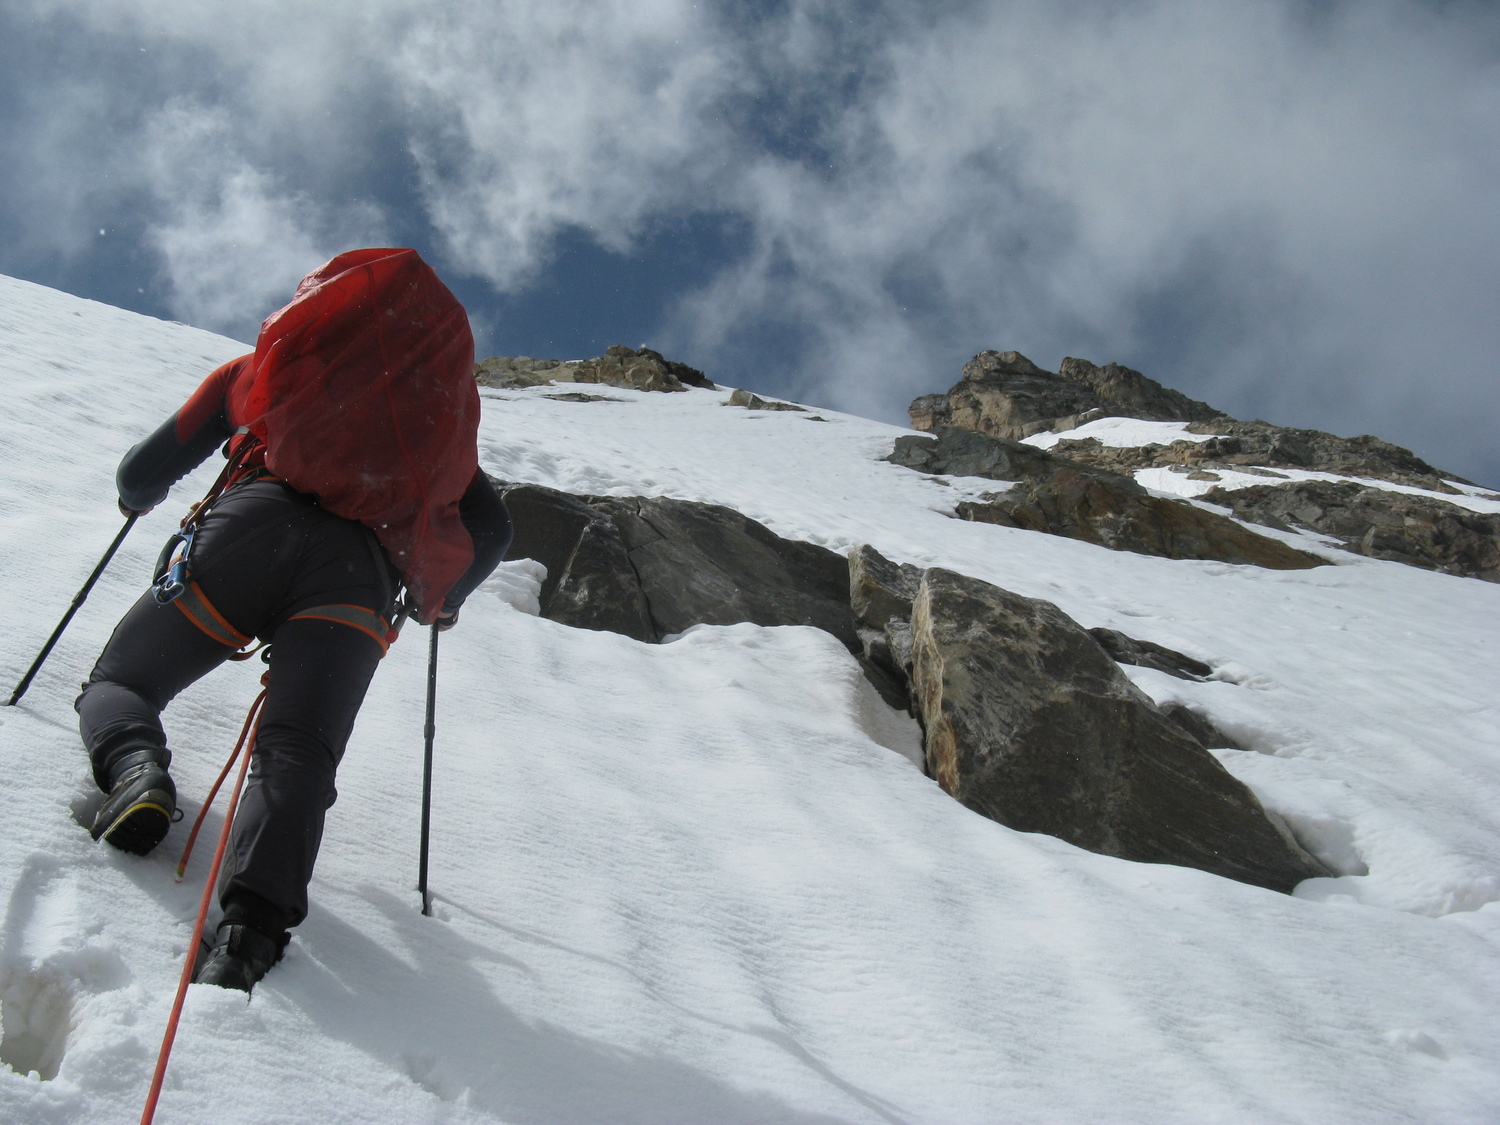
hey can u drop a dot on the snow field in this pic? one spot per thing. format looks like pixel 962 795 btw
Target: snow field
pixel 703 881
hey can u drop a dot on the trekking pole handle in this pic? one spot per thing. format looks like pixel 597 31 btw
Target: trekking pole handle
pixel 78 600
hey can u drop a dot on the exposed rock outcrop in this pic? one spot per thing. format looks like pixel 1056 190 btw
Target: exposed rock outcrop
pixel 1256 447
pixel 619 366
pixel 1127 393
pixel 1145 654
pixel 880 594
pixel 1005 395
pixel 590 582
pixel 965 453
pixel 1057 496
pixel 1029 722
pixel 1417 530
pixel 1121 515
pixel 652 567
pixel 755 402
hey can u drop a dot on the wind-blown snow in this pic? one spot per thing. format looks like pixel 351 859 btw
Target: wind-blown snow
pixel 703 882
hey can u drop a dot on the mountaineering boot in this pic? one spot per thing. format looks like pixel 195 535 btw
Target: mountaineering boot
pixel 141 803
pixel 240 957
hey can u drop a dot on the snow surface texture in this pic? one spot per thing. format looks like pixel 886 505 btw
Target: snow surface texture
pixel 703 882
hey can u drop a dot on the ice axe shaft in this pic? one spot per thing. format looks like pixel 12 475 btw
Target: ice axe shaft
pixel 78 600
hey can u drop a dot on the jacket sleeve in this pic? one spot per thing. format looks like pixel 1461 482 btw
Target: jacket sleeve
pixel 180 444
pixel 484 516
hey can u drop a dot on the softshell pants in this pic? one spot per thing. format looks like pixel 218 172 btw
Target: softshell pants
pixel 263 554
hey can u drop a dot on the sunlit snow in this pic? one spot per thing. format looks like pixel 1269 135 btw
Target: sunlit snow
pixel 703 881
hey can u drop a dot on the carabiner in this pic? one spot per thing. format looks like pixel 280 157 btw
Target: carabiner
pixel 172 576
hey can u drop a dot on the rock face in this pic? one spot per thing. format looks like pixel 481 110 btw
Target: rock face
pixel 1417 530
pixel 881 593
pixel 1005 395
pixel 1129 394
pixel 1257 447
pixel 965 453
pixel 755 402
pixel 1059 497
pixel 1029 722
pixel 1145 654
pixel 1121 515
pixel 619 366
pixel 1084 489
pixel 649 568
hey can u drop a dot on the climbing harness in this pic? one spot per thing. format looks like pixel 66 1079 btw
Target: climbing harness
pixel 172 577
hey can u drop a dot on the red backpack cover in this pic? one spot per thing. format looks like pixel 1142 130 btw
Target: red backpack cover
pixel 362 389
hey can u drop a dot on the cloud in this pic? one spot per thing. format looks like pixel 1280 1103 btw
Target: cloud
pixel 232 245
pixel 1287 207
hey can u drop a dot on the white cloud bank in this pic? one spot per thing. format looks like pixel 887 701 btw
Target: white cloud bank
pixel 1286 208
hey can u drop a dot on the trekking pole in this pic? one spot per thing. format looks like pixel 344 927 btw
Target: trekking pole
pixel 428 732
pixel 36 665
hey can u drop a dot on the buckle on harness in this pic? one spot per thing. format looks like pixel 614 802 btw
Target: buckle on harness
pixel 171 577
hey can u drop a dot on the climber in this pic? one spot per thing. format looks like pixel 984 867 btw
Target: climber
pixel 352 494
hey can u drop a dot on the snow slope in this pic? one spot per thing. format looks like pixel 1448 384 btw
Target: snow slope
pixel 703 882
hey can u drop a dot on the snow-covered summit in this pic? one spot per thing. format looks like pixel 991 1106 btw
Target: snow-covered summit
pixel 703 881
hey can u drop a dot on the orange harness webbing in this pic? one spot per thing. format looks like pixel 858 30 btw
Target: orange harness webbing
pixel 201 612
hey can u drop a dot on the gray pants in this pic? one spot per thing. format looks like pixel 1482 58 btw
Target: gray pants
pixel 263 554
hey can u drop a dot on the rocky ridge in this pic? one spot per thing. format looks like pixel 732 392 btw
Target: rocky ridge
pixel 639 369
pixel 1004 398
pixel 1060 496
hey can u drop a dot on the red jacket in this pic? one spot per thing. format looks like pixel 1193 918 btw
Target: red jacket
pixel 362 391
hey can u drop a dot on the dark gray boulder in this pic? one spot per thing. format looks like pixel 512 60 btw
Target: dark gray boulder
pixel 652 567
pixel 707 564
pixel 964 453
pixel 590 581
pixel 1146 654
pixel 1029 722
pixel 1199 728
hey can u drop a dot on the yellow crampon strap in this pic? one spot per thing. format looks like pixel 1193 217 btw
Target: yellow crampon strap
pixel 367 621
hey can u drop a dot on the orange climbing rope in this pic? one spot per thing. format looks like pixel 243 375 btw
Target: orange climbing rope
pixel 246 743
